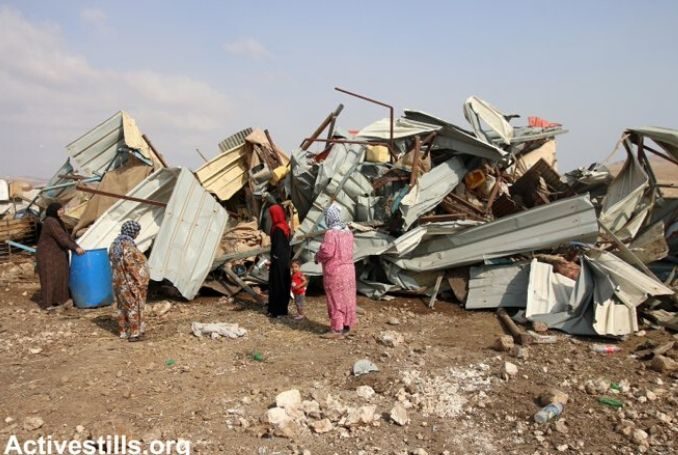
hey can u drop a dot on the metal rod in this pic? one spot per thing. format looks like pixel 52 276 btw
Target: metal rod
pixel 306 143
pixel 20 246
pixel 380 103
pixel 201 155
pixel 436 289
pixel 120 196
pixel 347 141
pixel 658 153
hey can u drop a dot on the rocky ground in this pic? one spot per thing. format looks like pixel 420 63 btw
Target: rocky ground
pixel 442 386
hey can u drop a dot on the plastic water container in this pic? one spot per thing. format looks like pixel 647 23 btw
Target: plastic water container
pixel 91 279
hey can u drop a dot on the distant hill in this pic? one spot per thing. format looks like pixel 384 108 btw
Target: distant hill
pixel 665 171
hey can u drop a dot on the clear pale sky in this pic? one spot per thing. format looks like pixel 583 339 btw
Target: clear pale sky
pixel 192 73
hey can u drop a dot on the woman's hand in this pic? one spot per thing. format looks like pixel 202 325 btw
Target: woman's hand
pixel 79 251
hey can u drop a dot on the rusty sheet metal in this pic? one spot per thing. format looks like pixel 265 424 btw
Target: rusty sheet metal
pixel 227 173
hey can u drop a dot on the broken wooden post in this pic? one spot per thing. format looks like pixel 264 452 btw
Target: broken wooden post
pixel 518 335
pixel 232 275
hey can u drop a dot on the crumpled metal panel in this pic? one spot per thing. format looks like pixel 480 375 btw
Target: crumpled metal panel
pixel 412 238
pixel 624 195
pixel 476 110
pixel 95 150
pixel 452 137
pixel 545 226
pixel 667 138
pixel 602 301
pixel 156 187
pixel 189 236
pixel 547 291
pixel 497 286
pixel 402 128
pixel 302 179
pixel 431 189
pixel 344 188
pixel 227 172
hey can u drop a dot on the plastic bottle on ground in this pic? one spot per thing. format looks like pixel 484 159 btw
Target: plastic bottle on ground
pixel 549 412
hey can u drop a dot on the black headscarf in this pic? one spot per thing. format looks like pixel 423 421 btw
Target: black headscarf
pixel 52 210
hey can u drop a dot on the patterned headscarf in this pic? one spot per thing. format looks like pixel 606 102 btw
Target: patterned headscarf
pixel 333 217
pixel 130 230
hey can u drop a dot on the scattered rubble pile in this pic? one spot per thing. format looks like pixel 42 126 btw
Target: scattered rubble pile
pixel 479 215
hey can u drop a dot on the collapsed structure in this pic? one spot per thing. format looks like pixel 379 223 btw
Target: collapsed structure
pixel 480 215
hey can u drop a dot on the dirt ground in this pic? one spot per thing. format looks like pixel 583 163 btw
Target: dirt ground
pixel 70 370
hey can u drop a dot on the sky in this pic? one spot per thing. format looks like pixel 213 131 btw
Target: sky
pixel 193 73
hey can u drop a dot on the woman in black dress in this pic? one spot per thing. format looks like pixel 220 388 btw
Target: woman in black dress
pixel 279 278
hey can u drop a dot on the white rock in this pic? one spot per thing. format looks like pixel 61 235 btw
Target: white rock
pixel 290 399
pixel 334 409
pixel 399 415
pixel 80 429
pixel 311 408
pixel 35 350
pixel 390 338
pixel 651 395
pixel 419 451
pixel 562 447
pixel 365 392
pixel 33 423
pixel 393 321
pixel 362 415
pixel 277 417
pixel 509 370
pixel 9 420
pixel 322 426
pixel 639 436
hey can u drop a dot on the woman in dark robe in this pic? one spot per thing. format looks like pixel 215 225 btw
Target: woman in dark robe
pixel 52 255
pixel 279 277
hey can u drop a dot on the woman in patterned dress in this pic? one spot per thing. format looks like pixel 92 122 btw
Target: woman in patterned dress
pixel 130 281
pixel 336 257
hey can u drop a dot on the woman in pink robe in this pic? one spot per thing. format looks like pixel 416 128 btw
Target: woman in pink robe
pixel 336 257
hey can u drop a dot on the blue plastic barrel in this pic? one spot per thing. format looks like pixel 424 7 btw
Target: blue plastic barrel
pixel 91 279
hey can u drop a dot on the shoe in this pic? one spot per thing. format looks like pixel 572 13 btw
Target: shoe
pixel 299 317
pixel 134 339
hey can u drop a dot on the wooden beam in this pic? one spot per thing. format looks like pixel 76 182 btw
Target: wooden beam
pixel 120 196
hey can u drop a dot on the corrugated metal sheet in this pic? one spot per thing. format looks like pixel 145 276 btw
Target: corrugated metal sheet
pixel 624 195
pixel 665 137
pixel 431 189
pixel 547 291
pixel 476 110
pixel 381 129
pixel 226 173
pixel 541 227
pixel 157 187
pixel 192 227
pixel 452 137
pixel 497 286
pixel 95 150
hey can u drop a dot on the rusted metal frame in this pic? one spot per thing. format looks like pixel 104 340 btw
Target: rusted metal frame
pixel 440 218
pixel 158 155
pixel 466 204
pixel 120 196
pixel 347 141
pixel 378 183
pixel 391 111
pixel 72 177
pixel 660 154
pixel 306 143
pixel 274 149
